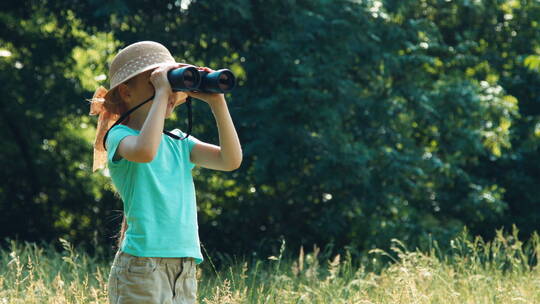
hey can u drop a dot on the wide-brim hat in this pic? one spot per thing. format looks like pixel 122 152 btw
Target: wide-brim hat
pixel 134 59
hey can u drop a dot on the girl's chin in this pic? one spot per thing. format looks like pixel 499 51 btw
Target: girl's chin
pixel 182 95
pixel 170 109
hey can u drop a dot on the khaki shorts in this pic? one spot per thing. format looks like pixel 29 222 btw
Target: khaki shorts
pixel 145 280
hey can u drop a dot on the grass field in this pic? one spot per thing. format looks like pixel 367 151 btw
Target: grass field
pixel 472 271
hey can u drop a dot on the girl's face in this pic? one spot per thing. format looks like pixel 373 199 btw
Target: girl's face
pixel 140 89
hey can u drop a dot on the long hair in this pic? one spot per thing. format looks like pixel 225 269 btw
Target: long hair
pixel 117 105
pixel 122 233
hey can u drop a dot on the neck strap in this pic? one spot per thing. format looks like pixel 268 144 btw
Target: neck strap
pixel 126 114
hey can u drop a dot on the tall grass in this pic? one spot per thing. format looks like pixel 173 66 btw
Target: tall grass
pixel 503 270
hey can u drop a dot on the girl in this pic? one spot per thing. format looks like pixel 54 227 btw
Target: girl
pixel 159 243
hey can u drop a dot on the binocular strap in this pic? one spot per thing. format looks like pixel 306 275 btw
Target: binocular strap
pixel 126 114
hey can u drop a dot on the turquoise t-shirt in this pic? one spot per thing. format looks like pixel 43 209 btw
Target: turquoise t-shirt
pixel 159 198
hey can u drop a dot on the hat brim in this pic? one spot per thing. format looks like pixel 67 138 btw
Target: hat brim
pixel 145 69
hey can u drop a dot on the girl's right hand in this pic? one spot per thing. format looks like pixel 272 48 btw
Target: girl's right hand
pixel 159 80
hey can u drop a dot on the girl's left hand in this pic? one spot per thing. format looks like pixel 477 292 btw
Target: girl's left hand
pixel 210 98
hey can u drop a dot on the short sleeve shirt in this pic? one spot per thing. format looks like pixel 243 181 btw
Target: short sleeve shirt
pixel 159 197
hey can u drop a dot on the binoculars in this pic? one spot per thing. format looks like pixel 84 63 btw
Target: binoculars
pixel 190 79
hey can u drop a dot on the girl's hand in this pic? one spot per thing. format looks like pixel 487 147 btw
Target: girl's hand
pixel 210 98
pixel 159 80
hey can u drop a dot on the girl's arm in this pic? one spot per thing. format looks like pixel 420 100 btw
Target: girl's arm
pixel 228 155
pixel 143 148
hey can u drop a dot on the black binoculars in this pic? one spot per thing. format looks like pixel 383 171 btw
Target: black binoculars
pixel 190 79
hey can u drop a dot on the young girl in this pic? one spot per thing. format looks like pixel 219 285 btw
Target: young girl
pixel 159 243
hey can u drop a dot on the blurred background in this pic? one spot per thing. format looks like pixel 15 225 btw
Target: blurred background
pixel 360 121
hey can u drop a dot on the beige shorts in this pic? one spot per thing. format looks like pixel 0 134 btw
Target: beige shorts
pixel 145 280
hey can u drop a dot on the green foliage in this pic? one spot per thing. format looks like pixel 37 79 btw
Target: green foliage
pixel 360 121
pixel 532 62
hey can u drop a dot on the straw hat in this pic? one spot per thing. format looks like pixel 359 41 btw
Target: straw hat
pixel 129 62
pixel 134 59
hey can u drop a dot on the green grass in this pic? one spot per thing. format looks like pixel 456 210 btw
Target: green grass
pixel 472 271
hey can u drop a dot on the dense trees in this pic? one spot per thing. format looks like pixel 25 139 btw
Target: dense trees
pixel 360 121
